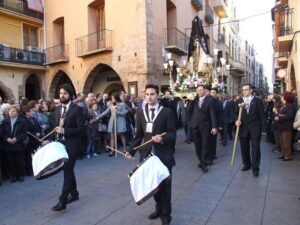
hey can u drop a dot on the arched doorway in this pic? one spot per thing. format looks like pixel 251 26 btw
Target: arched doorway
pixel 60 78
pixel 2 94
pixel 292 78
pixel 103 79
pixel 32 88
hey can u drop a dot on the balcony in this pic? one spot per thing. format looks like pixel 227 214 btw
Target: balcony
pixel 20 7
pixel 57 54
pixel 176 41
pixel 94 43
pixel 237 68
pixel 283 59
pixel 220 7
pixel 209 14
pixel 9 56
pixel 198 4
pixel 285 36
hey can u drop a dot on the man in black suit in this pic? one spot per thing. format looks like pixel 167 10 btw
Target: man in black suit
pixel 70 129
pixel 158 120
pixel 219 116
pixel 203 123
pixel 228 119
pixel 251 126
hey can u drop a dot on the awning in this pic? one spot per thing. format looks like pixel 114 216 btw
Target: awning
pixel 35 5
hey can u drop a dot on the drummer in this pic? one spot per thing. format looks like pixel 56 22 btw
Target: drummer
pixel 151 121
pixel 70 127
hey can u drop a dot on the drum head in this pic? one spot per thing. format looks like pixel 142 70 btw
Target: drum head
pixel 51 169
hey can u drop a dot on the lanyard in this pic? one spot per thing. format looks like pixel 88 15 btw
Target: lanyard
pixel 151 120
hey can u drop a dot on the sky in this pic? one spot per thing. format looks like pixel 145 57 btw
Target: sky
pixel 258 30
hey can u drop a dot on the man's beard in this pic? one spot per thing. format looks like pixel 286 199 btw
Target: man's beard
pixel 65 101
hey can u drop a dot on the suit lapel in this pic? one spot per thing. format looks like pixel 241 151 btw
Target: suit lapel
pixel 252 104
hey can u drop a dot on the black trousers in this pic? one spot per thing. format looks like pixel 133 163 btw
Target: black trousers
pixel 201 141
pixel 16 162
pixel 212 147
pixel 69 185
pixel 163 200
pixel 227 132
pixel 254 159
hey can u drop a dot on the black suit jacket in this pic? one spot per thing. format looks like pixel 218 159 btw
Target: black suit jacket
pixel 163 123
pixel 74 128
pixel 253 122
pixel 228 112
pixel 204 118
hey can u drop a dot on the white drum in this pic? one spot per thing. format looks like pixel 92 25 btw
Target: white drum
pixel 49 160
pixel 146 179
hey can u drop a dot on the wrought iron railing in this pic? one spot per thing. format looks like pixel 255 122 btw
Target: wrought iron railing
pixel 101 40
pixel 20 6
pixel 16 55
pixel 209 14
pixel 286 21
pixel 198 4
pixel 174 37
pixel 57 53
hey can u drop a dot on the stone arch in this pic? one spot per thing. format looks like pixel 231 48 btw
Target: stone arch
pixel 112 88
pixel 6 92
pixel 59 77
pixel 101 74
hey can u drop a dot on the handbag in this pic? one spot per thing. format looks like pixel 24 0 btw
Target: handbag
pixel 102 127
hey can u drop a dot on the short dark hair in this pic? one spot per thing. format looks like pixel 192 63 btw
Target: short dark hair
pixel 154 86
pixel 207 87
pixel 68 88
pixel 247 84
pixel 215 89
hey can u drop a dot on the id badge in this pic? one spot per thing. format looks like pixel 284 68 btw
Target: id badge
pixel 61 122
pixel 149 127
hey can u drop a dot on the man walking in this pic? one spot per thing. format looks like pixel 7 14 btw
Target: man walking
pixel 251 126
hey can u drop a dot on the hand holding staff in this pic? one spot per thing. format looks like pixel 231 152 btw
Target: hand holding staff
pixel 238 123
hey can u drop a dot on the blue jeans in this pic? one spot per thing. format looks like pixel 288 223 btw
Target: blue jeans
pixel 91 147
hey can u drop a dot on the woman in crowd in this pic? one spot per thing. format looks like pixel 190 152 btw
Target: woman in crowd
pixel 51 114
pixel 42 116
pixel 92 131
pixel 285 119
pixel 14 136
pixel 117 109
pixel 35 129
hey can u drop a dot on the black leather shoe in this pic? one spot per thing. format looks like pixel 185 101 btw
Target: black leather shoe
pixel 245 168
pixel 72 198
pixel 21 179
pixel 59 206
pixel 209 162
pixel 154 215
pixel 204 169
pixel 255 173
pixel 13 180
pixel 280 157
pixel 199 165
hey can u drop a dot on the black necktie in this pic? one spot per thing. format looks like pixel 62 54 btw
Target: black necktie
pixel 152 113
pixel 64 111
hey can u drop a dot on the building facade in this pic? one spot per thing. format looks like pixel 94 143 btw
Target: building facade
pixel 286 28
pixel 21 49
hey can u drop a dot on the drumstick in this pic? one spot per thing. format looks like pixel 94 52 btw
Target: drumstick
pixel 48 135
pixel 34 136
pixel 147 142
pixel 117 151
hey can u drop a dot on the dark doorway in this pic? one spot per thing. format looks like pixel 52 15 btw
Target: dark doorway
pixel 32 88
pixel 59 79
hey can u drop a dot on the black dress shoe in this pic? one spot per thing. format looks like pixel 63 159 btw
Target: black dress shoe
pixel 21 179
pixel 245 168
pixel 255 173
pixel 154 215
pixel 72 198
pixel 284 159
pixel 59 206
pixel 204 169
pixel 199 165
pixel 209 162
pixel 13 180
pixel 280 157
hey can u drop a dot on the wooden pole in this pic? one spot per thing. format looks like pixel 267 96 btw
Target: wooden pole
pixel 241 105
pixel 115 128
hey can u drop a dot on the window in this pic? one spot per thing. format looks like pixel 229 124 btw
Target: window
pixel 30 36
